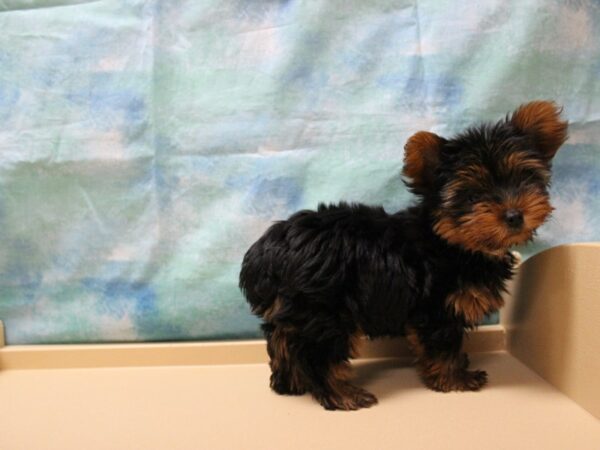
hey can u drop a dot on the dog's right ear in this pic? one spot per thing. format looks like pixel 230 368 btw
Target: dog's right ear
pixel 421 159
pixel 541 120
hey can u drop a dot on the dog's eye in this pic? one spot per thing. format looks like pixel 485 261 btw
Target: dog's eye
pixel 472 199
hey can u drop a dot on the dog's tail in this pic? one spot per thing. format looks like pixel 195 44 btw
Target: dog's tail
pixel 259 276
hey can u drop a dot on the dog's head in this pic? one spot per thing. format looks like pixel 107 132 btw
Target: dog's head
pixel 488 187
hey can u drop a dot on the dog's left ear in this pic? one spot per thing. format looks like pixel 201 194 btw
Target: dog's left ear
pixel 541 120
pixel 421 159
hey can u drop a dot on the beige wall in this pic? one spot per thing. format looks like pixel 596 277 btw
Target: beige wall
pixel 553 320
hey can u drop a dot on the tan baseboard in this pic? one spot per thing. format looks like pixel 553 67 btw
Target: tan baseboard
pixel 489 338
pixel 485 339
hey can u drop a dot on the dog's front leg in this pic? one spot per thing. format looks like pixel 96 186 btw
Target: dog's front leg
pixel 439 360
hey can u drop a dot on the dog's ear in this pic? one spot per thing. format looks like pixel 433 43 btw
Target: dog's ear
pixel 421 158
pixel 541 120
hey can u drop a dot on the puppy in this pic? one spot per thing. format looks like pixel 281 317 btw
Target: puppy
pixel 321 279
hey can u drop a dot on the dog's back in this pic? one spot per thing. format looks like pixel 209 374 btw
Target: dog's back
pixel 305 251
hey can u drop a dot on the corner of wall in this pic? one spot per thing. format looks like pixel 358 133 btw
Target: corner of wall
pixel 551 319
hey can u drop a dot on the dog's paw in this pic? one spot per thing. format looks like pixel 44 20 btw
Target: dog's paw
pixel 350 398
pixel 471 380
pixel 463 380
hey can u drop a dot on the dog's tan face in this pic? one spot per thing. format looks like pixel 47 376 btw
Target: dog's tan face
pixel 488 187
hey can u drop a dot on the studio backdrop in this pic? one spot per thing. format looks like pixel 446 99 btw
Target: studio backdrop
pixel 144 145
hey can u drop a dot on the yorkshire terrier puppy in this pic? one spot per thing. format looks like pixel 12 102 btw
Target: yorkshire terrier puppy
pixel 321 279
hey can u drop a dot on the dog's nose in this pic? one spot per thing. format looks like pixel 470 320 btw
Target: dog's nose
pixel 514 218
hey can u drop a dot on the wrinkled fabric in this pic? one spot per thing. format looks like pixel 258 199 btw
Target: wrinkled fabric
pixel 145 145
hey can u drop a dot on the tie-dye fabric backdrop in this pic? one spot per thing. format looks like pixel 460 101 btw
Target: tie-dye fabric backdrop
pixel 145 145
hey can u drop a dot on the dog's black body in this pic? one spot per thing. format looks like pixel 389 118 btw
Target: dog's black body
pixel 322 278
pixel 370 270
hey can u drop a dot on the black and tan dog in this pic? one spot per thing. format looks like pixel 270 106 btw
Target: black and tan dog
pixel 322 278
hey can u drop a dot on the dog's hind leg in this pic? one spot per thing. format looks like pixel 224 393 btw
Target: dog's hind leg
pixel 287 377
pixel 299 365
pixel 309 351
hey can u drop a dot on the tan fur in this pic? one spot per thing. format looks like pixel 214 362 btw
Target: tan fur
pixel 339 372
pixel 484 228
pixel 271 312
pixel 414 343
pixel 279 349
pixel 355 343
pixel 341 393
pixel 421 157
pixel 473 174
pixel 473 303
pixel 518 161
pixel 443 373
pixel 447 375
pixel 280 358
pixel 542 120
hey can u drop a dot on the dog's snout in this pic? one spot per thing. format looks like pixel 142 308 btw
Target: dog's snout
pixel 514 218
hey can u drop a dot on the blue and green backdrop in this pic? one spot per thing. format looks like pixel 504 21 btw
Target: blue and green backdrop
pixel 144 145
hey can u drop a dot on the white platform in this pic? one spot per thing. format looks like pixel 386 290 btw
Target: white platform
pixel 231 407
